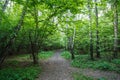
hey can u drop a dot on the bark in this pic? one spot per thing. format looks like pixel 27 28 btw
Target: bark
pixel 72 54
pixel 73 41
pixel 71 44
pixel 16 31
pixel 66 44
pixel 71 49
pixel 115 53
pixel 32 44
pixel 97 31
pixel 90 32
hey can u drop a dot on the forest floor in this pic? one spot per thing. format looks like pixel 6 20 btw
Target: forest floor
pixel 58 68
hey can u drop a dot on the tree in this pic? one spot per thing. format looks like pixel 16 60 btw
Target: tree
pixel 17 28
pixel 115 54
pixel 97 31
pixel 90 32
pixel 34 41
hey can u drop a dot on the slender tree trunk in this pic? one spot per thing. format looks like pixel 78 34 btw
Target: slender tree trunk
pixel 70 44
pixel 97 31
pixel 90 32
pixel 16 30
pixel 36 36
pixel 66 38
pixel 73 41
pixel 115 30
pixel 33 47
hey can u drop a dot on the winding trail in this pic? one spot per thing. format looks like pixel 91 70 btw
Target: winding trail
pixel 57 68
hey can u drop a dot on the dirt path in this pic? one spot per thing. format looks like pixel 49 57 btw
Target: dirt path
pixel 97 74
pixel 57 68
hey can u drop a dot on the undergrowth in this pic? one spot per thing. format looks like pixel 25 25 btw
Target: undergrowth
pixel 66 55
pixel 83 61
pixel 27 73
pixel 45 54
pixel 20 67
pixel 78 76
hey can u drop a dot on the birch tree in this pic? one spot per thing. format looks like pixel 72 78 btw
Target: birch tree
pixel 115 5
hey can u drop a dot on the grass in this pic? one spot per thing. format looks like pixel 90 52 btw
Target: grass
pixel 26 57
pixel 45 55
pixel 20 67
pixel 78 76
pixel 83 61
pixel 66 55
pixel 27 73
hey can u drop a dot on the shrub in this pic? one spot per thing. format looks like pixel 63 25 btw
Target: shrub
pixel 66 54
pixel 45 54
pixel 116 61
pixel 28 73
pixel 104 66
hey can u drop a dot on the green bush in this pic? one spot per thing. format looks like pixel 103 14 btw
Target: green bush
pixel 66 54
pixel 45 54
pixel 28 73
pixel 104 66
pixel 116 61
pixel 83 61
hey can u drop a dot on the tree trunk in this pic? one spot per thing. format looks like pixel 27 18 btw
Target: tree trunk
pixel 97 31
pixel 72 54
pixel 90 32
pixel 33 47
pixel 73 41
pixel 71 49
pixel 16 30
pixel 35 56
pixel 115 53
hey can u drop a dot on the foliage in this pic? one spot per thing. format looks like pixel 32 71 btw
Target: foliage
pixel 78 76
pixel 54 42
pixel 45 54
pixel 19 67
pixel 27 73
pixel 83 61
pixel 116 61
pixel 66 54
pixel 104 66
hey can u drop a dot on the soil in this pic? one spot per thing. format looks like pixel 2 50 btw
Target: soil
pixel 58 68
